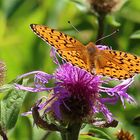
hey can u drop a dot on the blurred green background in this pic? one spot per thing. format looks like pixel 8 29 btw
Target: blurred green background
pixel 22 51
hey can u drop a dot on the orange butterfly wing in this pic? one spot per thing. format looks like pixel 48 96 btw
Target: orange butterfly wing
pixel 69 48
pixel 129 62
pixel 118 64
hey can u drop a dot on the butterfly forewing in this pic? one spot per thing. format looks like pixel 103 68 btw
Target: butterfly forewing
pixel 67 47
pixel 55 38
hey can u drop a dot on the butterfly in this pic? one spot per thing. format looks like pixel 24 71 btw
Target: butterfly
pixel 106 62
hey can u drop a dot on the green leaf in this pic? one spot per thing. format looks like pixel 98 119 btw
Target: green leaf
pixel 2 23
pixel 81 4
pixel 87 137
pixel 135 35
pixel 10 107
pixel 136 121
pixel 112 21
pixel 100 133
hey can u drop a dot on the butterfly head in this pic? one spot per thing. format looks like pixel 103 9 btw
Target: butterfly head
pixel 91 48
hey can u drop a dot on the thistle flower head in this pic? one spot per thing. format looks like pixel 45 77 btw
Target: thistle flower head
pixel 105 6
pixel 124 135
pixel 78 92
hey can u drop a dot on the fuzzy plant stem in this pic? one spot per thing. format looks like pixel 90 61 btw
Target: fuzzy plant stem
pixel 72 132
pixel 101 20
pixel 3 134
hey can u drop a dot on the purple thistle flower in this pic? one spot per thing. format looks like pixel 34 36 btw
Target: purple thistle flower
pixel 76 95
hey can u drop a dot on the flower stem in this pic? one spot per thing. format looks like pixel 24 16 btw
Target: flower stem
pixel 3 134
pixel 101 19
pixel 72 132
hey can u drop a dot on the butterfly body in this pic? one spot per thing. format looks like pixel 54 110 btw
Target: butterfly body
pixel 116 64
pixel 92 54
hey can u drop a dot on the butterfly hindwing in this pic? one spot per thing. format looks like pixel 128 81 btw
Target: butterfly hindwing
pixel 74 58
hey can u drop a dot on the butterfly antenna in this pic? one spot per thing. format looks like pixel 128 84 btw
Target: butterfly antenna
pixel 73 27
pixel 108 35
